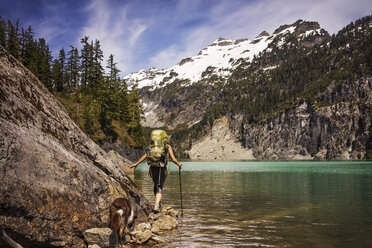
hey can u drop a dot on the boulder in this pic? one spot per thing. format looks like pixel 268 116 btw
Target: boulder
pixel 165 222
pixel 55 182
pixel 145 236
pixel 141 236
pixel 98 236
pixel 152 217
pixel 142 227
pixel 155 229
pixel 169 211
pixel 94 246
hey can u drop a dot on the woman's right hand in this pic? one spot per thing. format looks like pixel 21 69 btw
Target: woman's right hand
pixel 133 166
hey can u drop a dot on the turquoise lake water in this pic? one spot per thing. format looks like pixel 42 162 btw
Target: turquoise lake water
pixel 268 204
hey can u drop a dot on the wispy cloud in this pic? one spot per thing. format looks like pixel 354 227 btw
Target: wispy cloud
pixel 117 33
pixel 53 25
pixel 47 29
pixel 246 19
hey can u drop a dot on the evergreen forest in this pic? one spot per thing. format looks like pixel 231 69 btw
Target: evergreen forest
pixel 90 89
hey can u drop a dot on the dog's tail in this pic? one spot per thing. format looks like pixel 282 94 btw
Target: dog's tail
pixel 9 241
pixel 131 216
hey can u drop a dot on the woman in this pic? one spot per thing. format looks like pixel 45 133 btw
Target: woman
pixel 159 174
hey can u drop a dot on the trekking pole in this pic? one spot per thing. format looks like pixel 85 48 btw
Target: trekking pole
pixel 179 170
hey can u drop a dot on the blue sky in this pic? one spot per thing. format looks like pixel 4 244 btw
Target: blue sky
pixel 159 33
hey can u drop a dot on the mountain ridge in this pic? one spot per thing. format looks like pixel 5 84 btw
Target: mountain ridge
pixel 219 57
pixel 154 107
pixel 294 69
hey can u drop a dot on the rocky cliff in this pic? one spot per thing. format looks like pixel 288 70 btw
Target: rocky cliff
pixel 336 126
pixel 339 130
pixel 55 182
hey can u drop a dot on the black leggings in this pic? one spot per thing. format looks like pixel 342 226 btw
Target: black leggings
pixel 158 184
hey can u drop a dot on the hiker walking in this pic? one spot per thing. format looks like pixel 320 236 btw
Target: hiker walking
pixel 157 158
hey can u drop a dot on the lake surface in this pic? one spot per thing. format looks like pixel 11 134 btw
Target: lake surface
pixel 268 204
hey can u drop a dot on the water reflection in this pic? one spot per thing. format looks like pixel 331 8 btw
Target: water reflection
pixel 268 206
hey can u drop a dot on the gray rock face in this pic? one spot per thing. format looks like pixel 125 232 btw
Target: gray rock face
pixel 55 182
pixel 126 151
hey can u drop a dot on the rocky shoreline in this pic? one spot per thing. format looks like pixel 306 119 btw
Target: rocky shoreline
pixel 146 233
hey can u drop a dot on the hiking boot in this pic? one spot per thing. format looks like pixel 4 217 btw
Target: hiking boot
pixel 156 208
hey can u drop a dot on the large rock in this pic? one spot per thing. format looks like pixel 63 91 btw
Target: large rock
pixel 102 237
pixel 55 182
pixel 142 237
pixel 165 222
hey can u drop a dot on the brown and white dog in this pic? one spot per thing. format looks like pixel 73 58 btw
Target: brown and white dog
pixel 121 214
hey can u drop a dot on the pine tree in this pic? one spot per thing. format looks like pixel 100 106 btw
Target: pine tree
pixel 2 32
pixel 13 40
pixel 86 61
pixel 44 59
pixel 119 91
pixel 89 115
pixel 72 69
pixel 135 117
pixel 57 75
pixel 22 42
pixel 105 94
pixel 28 48
pixel 113 74
pixel 18 45
pixel 97 69
pixel 62 62
pixel 122 101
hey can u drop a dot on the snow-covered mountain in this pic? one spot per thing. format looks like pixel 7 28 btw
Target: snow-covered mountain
pixel 212 65
pixel 222 56
pixel 295 94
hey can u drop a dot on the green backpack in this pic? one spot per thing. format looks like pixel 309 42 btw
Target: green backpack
pixel 157 152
